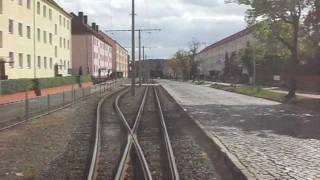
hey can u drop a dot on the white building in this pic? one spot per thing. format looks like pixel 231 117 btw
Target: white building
pixel 212 58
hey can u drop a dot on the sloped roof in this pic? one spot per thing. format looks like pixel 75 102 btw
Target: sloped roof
pixel 229 39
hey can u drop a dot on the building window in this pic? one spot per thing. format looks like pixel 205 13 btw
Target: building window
pixel 39 34
pixel 20 60
pixel 1 6
pixel 50 38
pixel 11 59
pixel 56 51
pixel 60 42
pixel 11 26
pixel 20 29
pixel 45 62
pixel 39 62
pixel 29 32
pixel 1 45
pixel 29 4
pixel 44 36
pixel 38 8
pixel 50 63
pixel 68 24
pixel 50 14
pixel 64 65
pixel 56 29
pixel 60 20
pixel 20 2
pixel 28 61
pixel 68 44
pixel 44 11
pixel 64 43
pixel 64 22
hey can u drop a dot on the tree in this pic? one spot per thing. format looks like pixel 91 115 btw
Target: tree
pixel 312 23
pixel 174 67
pixel 184 63
pixel 194 48
pixel 283 18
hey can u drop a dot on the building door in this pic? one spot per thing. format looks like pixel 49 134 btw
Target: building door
pixel 2 70
pixel 56 70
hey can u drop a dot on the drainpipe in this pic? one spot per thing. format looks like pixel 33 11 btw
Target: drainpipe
pixel 34 41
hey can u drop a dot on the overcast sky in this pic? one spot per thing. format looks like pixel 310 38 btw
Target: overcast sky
pixel 181 21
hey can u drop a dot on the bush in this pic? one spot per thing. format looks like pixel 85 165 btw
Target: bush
pixel 21 85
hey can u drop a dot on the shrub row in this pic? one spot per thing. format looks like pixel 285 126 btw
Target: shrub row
pixel 20 85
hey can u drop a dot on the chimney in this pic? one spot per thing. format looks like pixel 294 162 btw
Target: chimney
pixel 85 19
pixel 80 14
pixel 97 28
pixel 93 26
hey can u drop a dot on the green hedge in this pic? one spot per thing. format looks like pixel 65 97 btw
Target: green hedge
pixel 16 85
pixel 20 85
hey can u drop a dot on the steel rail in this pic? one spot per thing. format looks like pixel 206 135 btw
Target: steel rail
pixel 172 163
pixel 97 142
pixel 132 140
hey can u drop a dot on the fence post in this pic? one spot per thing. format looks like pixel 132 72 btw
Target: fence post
pixel 74 95
pixel 26 105
pixel 48 101
pixel 63 98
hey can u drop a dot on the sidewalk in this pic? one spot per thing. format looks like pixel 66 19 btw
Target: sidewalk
pixel 12 98
pixel 272 140
pixel 272 89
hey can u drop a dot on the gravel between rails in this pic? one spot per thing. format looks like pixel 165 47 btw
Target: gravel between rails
pixel 195 157
pixel 151 141
pixel 130 104
pixel 113 138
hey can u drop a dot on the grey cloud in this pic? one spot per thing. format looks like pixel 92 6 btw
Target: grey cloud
pixel 180 20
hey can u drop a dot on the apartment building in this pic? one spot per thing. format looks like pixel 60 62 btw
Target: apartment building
pixel 121 61
pixel 119 57
pixel 212 59
pixel 91 52
pixel 35 39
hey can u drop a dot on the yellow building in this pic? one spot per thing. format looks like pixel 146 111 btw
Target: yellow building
pixel 121 60
pixel 35 38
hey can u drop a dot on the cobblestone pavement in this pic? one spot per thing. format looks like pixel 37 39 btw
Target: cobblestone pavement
pixel 274 141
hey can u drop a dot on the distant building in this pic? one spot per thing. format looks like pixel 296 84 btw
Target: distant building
pixel 154 68
pixel 212 59
pixel 35 39
pixel 91 51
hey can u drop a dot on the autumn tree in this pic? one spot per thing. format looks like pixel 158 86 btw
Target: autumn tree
pixel 194 47
pixel 283 19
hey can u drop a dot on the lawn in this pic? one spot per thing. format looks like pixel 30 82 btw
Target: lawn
pixel 274 96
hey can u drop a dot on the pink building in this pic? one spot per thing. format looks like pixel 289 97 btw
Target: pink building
pixel 90 51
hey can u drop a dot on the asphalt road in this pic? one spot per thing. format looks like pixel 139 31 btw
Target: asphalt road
pixel 274 141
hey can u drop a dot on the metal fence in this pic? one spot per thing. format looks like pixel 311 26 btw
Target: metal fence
pixel 33 107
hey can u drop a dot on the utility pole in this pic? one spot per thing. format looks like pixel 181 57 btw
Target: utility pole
pixel 133 80
pixel 133 47
pixel 140 81
pixel 254 69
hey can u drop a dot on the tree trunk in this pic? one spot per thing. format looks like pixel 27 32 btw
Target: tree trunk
pixel 294 63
